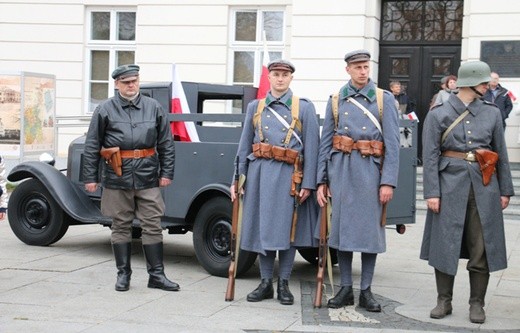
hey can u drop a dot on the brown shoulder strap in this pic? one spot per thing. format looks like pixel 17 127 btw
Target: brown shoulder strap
pixel 335 106
pixel 257 118
pixel 379 99
pixel 295 115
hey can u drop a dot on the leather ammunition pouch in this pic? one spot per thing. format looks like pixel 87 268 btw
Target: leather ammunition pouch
pixel 487 160
pixel 265 150
pixel 297 177
pixel 345 144
pixel 286 155
pixel 112 157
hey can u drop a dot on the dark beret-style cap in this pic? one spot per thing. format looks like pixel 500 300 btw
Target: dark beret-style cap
pixel 281 65
pixel 126 73
pixel 357 56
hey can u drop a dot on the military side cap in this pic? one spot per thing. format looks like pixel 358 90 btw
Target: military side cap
pixel 357 56
pixel 126 73
pixel 281 65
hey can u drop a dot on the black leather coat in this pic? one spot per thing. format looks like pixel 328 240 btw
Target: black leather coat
pixel 138 124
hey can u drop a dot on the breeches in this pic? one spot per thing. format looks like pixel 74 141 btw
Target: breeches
pixel 473 238
pixel 123 206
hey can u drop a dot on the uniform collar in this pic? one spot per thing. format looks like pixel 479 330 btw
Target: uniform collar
pixel 368 91
pixel 460 107
pixel 136 102
pixel 286 99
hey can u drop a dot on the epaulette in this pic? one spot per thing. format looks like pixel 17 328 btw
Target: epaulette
pixel 305 99
pixel 436 105
pixel 489 103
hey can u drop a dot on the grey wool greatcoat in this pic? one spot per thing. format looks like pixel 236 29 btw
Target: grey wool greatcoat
pixel 354 180
pixel 450 180
pixel 268 205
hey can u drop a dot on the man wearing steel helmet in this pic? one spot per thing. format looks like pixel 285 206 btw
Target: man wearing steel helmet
pixel 464 218
pixel 360 183
pixel 270 128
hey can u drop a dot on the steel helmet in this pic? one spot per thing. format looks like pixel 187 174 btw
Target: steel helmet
pixel 473 73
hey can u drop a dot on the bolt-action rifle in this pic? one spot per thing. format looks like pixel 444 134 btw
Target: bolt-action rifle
pixel 295 192
pixel 322 253
pixel 235 234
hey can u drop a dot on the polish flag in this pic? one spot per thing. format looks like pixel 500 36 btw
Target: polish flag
pixel 511 95
pixel 412 116
pixel 185 131
pixel 263 85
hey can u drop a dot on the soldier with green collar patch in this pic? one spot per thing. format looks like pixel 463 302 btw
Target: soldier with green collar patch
pixel 360 132
pixel 279 133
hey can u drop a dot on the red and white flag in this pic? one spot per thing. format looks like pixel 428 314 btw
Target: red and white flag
pixel 511 95
pixel 412 116
pixel 263 85
pixel 185 131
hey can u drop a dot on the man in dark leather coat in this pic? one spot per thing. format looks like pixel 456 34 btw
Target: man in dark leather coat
pixel 139 127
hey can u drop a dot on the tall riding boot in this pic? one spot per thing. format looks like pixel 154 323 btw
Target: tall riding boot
pixel 154 263
pixel 122 253
pixel 478 283
pixel 284 294
pixel 444 295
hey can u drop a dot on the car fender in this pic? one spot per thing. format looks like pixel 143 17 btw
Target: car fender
pixel 203 195
pixel 70 197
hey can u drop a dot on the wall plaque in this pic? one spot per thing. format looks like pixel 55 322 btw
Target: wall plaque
pixel 502 56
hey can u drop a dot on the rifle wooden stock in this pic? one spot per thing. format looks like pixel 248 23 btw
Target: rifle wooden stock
pixel 230 291
pixel 322 255
pixel 383 216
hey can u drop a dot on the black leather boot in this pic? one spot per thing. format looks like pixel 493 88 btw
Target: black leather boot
pixel 263 291
pixel 122 253
pixel 344 297
pixel 284 294
pixel 154 263
pixel 367 301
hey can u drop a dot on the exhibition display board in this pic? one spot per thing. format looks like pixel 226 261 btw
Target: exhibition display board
pixel 27 114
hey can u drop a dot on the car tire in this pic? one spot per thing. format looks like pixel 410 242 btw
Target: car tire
pixel 212 238
pixel 34 216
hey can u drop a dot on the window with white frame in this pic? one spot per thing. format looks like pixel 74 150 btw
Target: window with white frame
pixel 110 43
pixel 247 42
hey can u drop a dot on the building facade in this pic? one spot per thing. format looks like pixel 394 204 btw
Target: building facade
pixel 222 41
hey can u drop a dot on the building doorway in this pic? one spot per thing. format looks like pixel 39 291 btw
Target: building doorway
pixel 420 43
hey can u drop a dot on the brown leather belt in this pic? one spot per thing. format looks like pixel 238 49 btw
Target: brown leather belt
pixel 138 153
pixel 469 156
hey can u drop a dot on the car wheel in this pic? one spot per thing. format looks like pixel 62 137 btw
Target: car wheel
pixel 311 255
pixel 212 237
pixel 34 216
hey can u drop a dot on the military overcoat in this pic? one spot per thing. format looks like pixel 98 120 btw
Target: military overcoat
pixel 354 180
pixel 450 180
pixel 268 205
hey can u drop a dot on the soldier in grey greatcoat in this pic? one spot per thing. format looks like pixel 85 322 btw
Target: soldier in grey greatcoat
pixel 360 182
pixel 268 206
pixel 464 218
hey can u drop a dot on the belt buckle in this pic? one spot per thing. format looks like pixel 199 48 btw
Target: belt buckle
pixel 137 153
pixel 470 157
